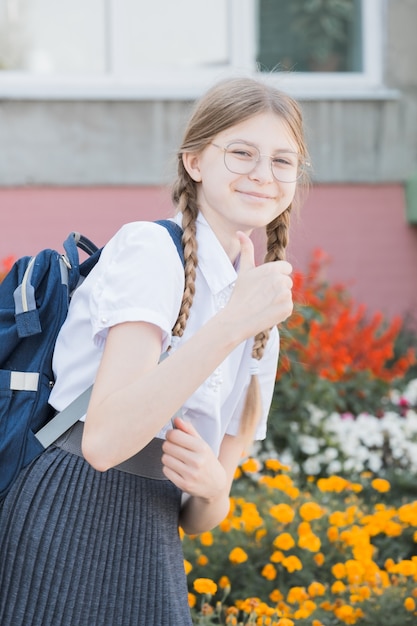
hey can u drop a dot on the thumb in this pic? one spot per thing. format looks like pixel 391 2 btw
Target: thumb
pixel 247 252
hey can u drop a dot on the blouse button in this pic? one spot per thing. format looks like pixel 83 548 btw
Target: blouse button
pixel 104 320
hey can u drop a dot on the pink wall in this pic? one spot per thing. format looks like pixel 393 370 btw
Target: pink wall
pixel 361 227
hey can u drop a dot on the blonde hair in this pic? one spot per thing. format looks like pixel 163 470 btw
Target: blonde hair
pixel 228 103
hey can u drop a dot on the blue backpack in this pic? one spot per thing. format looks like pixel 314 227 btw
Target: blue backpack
pixel 34 299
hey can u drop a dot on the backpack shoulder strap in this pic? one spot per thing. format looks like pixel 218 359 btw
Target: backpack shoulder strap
pixel 78 407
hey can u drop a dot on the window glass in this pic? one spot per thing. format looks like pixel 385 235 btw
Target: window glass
pixel 167 33
pixel 310 36
pixel 52 36
pixel 122 36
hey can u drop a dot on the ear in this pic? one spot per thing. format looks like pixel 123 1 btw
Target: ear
pixel 191 162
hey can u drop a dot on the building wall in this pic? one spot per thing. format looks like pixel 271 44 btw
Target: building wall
pixel 93 164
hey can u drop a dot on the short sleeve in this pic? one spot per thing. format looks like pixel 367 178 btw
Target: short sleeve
pixel 139 277
pixel 267 376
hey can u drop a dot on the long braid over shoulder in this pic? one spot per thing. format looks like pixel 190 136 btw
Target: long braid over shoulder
pixel 277 241
pixel 228 103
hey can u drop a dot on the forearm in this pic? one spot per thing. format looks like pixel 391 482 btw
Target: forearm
pixel 145 404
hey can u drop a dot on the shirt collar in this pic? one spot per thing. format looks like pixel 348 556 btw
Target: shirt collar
pixel 213 262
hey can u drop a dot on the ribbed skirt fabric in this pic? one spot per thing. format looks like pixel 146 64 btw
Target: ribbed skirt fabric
pixel 84 548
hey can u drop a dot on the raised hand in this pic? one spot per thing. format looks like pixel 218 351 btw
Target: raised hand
pixel 262 296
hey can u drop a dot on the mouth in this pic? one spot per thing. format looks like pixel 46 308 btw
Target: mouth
pixel 255 194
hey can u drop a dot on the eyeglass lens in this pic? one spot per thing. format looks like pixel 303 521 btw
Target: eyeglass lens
pixel 241 158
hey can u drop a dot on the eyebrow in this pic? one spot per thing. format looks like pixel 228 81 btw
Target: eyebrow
pixel 250 143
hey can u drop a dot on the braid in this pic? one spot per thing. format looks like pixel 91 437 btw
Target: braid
pixel 184 196
pixel 277 241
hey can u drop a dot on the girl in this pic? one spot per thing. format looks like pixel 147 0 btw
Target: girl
pixel 84 543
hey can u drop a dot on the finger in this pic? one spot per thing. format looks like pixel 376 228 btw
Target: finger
pixel 247 252
pixel 284 267
pixel 185 427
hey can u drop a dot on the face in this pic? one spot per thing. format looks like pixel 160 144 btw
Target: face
pixel 232 202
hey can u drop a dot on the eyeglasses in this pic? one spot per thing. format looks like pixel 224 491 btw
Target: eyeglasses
pixel 242 158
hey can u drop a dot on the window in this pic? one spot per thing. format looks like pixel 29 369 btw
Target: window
pixel 310 35
pixel 137 48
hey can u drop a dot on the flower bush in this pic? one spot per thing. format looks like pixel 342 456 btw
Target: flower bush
pixel 333 539
pixel 5 266
pixel 348 444
pixel 336 361
pixel 336 552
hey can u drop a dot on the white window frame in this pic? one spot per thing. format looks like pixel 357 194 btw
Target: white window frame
pixel 186 84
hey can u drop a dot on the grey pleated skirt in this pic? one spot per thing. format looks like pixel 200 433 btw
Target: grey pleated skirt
pixel 84 548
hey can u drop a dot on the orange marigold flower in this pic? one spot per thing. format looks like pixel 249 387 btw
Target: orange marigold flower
pixel 304 528
pixel 250 466
pixel 316 589
pixel 319 559
pixel 282 513
pixel 275 465
pixel 339 570
pixel 285 621
pixel 381 485
pixel 354 570
pixel 333 483
pixel 284 541
pixel 292 563
pixel 205 585
pixel 347 614
pixel 277 556
pixel 276 596
pixel 364 592
pixel 269 572
pixel 405 567
pixel 409 604
pixel 238 473
pixel 306 609
pixel 206 539
pixel 202 560
pixel 310 511
pixel 297 594
pixel 238 555
pixel 191 600
pixel 187 567
pixel 408 513
pixel 332 534
pixel 224 582
pixel 310 542
pixel 338 587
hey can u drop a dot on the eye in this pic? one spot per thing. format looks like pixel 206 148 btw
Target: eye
pixel 286 160
pixel 242 152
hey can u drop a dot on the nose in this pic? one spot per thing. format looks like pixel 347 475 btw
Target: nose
pixel 262 172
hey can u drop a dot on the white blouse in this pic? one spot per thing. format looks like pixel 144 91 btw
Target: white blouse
pixel 140 277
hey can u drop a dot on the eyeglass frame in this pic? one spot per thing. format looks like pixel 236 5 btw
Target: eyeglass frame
pixel 301 161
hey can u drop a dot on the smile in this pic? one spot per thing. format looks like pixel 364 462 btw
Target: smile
pixel 255 194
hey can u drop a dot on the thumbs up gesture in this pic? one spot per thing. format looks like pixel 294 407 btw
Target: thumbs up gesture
pixel 262 297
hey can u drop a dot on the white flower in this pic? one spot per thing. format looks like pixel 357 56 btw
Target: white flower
pixel 374 462
pixel 316 415
pixel 312 465
pixel 309 445
pixel 334 467
pixel 330 454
